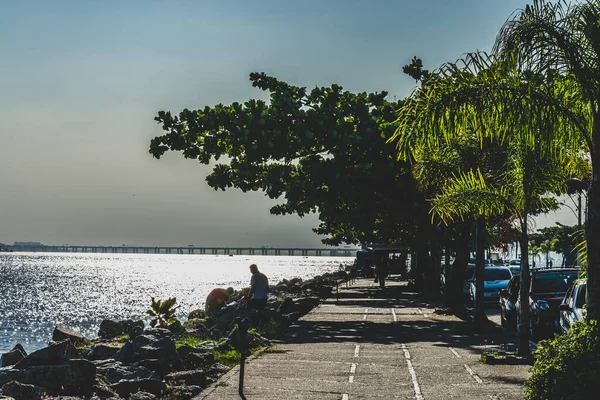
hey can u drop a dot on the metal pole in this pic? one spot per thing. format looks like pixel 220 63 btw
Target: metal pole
pixel 579 212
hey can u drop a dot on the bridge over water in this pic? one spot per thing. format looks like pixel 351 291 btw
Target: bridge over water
pixel 276 251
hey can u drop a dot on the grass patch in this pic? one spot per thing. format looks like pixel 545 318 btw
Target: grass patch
pixel 230 358
pixel 189 340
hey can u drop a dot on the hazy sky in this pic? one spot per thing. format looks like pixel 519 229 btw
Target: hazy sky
pixel 81 81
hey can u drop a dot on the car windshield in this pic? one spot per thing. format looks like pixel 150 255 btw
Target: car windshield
pixel 496 274
pixel 515 270
pixel 558 282
pixel 581 294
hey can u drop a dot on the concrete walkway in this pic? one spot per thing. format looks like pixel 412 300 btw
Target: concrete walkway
pixel 371 344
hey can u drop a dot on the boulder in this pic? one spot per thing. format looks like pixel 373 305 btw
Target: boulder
pixel 125 354
pixel 199 360
pixel 4 378
pixel 287 306
pixel 163 350
pixel 291 317
pixel 143 340
pixel 142 396
pixel 184 350
pixel 110 329
pixel 158 332
pixel 182 392
pixel 102 352
pixel 23 391
pixel 113 373
pixel 196 378
pixel 71 377
pixel 12 357
pixel 136 331
pixel 55 353
pixel 126 387
pixel 217 370
pixel 196 314
pixel 308 284
pixel 306 304
pixel 62 333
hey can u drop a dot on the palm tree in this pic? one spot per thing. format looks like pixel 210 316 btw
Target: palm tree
pixel 534 252
pixel 564 39
pixel 546 247
pixel 492 100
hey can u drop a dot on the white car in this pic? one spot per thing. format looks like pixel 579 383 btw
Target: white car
pixel 572 309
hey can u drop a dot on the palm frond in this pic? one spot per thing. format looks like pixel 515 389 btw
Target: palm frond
pixel 467 194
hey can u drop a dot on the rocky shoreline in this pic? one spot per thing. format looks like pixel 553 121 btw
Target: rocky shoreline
pixel 132 361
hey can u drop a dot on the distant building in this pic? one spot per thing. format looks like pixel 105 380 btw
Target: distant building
pixel 28 244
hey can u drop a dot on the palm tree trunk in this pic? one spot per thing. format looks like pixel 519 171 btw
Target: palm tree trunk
pixel 480 318
pixel 592 229
pixel 524 291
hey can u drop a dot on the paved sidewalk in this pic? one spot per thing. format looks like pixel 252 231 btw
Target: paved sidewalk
pixel 374 345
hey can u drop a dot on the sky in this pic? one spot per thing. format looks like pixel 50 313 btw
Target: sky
pixel 82 80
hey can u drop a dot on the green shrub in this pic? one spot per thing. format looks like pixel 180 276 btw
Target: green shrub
pixel 163 312
pixel 567 367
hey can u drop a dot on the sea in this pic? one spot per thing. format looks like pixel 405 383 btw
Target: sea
pixel 41 290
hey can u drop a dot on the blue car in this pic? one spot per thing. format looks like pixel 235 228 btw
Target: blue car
pixel 495 280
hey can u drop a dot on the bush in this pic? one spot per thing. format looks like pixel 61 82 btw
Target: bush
pixel 567 367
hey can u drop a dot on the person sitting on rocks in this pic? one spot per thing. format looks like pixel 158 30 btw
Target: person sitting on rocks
pixel 259 287
pixel 216 299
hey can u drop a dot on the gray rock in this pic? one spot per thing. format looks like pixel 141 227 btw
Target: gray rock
pixel 291 317
pixel 199 360
pixel 196 314
pixel 163 350
pixel 55 353
pixel 113 373
pixel 71 377
pixel 126 387
pixel 110 329
pixel 62 333
pixel 143 340
pixel 217 370
pixel 4 378
pixel 12 357
pixel 182 392
pixel 125 354
pixel 306 304
pixel 196 378
pixel 23 391
pixel 136 331
pixel 287 306
pixel 142 396
pixel 158 332
pixel 184 350
pixel 102 352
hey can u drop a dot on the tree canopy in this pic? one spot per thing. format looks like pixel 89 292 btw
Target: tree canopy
pixel 321 151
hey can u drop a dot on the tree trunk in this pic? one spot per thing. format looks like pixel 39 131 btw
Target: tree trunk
pixel 480 318
pixel 456 276
pixel 592 233
pixel 524 292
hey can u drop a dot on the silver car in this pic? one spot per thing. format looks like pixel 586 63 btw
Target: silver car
pixel 572 309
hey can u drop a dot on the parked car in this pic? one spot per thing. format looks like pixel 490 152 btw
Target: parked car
pixel 495 279
pixel 508 302
pixel 547 291
pixel 572 309
pixel 515 269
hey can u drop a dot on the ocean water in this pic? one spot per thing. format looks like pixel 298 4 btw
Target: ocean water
pixel 41 290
